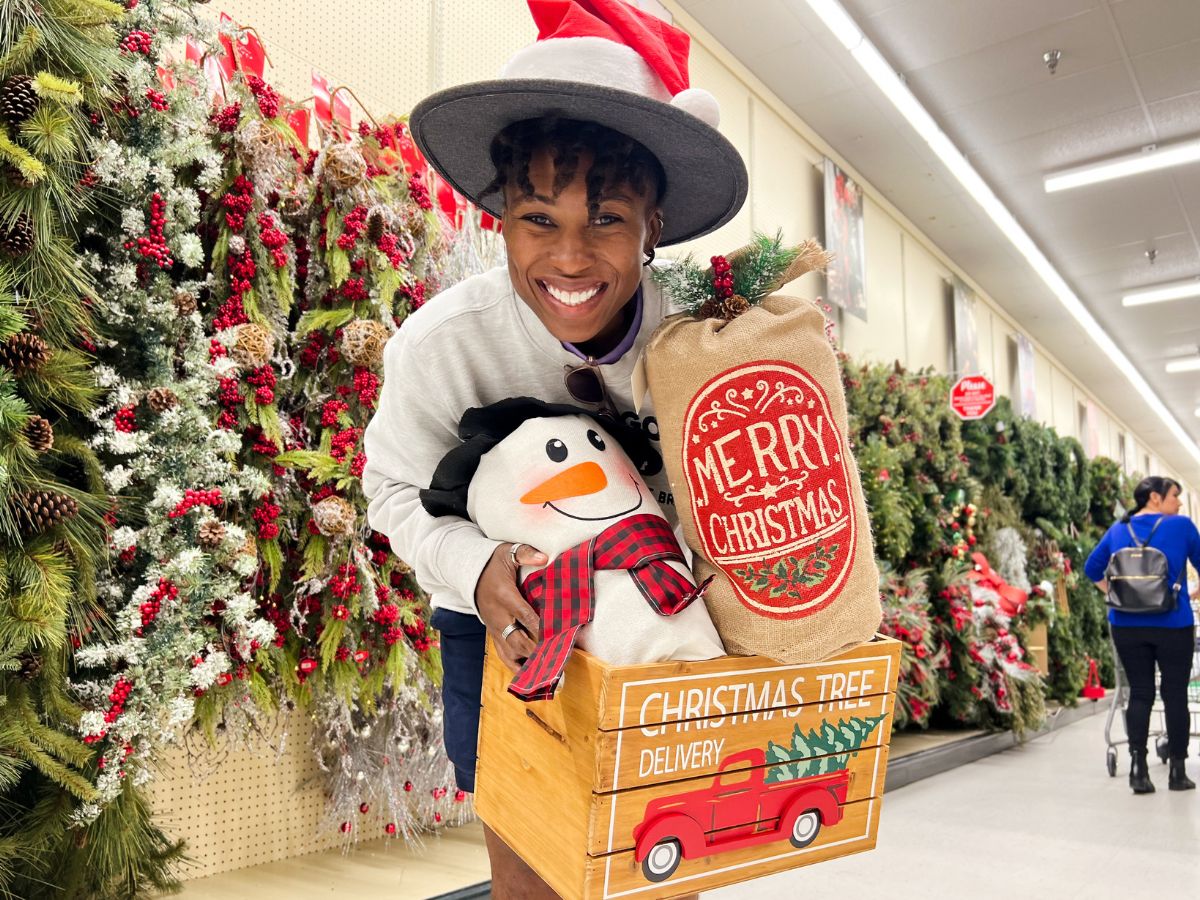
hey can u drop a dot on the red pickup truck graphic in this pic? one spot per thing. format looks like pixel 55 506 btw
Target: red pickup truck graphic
pixel 739 809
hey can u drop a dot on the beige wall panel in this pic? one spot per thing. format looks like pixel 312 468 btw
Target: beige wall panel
pixel 734 97
pixel 473 40
pixel 1001 358
pixel 926 304
pixel 786 186
pixel 984 323
pixel 1044 387
pixel 881 337
pixel 1065 414
pixel 381 50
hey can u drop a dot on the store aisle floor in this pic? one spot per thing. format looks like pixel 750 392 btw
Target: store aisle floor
pixel 1040 820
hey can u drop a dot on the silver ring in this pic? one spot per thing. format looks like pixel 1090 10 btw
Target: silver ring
pixel 509 630
pixel 512 553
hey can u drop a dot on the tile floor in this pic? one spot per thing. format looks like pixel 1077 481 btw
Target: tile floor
pixel 1042 820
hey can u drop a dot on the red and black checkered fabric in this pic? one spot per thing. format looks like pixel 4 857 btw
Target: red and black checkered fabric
pixel 562 593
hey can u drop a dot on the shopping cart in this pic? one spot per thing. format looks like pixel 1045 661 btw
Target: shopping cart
pixel 1121 702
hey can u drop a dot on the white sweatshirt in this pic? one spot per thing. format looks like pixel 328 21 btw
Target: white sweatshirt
pixel 472 345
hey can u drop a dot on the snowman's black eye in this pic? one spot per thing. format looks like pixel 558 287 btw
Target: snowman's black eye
pixel 556 450
pixel 596 440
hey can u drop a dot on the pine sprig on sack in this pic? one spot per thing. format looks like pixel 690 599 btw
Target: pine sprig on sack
pixel 733 284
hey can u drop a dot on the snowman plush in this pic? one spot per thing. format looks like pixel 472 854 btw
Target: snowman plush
pixel 568 482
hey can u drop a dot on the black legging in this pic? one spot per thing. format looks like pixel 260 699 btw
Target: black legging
pixel 1172 649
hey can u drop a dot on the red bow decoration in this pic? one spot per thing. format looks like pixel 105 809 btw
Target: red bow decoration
pixel 1012 599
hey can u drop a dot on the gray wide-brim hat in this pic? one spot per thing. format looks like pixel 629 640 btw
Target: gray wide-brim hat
pixel 706 176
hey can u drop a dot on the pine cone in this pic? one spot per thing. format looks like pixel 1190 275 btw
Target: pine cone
pixel 375 227
pixel 18 100
pixel 39 511
pixel 735 306
pixel 16 178
pixel 212 533
pixel 160 399
pixel 23 353
pixel 31 666
pixel 40 434
pixel 185 302
pixel 18 239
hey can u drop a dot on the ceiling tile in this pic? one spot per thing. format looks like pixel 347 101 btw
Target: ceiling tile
pixel 765 24
pixel 1147 25
pixel 1168 73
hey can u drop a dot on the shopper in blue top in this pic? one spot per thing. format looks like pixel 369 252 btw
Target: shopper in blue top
pixel 1167 638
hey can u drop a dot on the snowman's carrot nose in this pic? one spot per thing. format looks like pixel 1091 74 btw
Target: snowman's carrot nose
pixel 577 481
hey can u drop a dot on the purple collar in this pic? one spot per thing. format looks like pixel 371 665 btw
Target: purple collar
pixel 626 342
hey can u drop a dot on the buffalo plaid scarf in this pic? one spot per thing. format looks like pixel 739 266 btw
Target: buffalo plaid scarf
pixel 562 593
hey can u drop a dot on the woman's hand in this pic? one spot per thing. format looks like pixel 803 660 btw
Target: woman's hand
pixel 500 604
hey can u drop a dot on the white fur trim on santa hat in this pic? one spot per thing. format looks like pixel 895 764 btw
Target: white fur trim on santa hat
pixel 596 60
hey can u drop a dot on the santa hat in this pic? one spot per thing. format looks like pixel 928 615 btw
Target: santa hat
pixel 606 62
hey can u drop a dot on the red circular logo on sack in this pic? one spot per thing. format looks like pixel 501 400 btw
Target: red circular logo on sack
pixel 770 488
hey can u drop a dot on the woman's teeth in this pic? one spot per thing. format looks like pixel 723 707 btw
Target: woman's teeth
pixel 572 298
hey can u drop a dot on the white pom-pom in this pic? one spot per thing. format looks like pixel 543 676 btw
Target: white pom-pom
pixel 700 103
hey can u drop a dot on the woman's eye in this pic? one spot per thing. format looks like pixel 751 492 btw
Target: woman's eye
pixel 596 440
pixel 556 450
pixel 606 219
pixel 537 219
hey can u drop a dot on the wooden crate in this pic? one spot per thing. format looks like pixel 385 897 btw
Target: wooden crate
pixel 590 788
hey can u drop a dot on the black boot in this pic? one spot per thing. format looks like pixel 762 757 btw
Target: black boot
pixel 1139 775
pixel 1177 780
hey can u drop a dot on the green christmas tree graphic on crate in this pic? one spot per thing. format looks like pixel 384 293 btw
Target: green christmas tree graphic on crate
pixel 820 750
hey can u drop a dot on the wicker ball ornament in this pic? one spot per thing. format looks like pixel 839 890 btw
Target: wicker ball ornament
pixel 254 346
pixel 344 167
pixel 160 399
pixel 39 511
pixel 40 434
pixel 18 99
pixel 17 239
pixel 335 517
pixel 363 341
pixel 23 353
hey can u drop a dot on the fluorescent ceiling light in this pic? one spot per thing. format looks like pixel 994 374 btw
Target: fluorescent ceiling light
pixel 1148 160
pixel 1187 364
pixel 881 72
pixel 1162 293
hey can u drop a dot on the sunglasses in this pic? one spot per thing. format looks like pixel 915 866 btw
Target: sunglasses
pixel 586 385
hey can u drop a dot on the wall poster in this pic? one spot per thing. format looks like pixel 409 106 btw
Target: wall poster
pixel 846 277
pixel 1025 378
pixel 967 360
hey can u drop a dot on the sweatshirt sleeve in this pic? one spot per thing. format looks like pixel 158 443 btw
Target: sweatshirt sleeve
pixel 404 442
pixel 1097 561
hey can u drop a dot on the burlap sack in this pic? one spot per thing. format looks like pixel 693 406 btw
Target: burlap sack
pixel 752 419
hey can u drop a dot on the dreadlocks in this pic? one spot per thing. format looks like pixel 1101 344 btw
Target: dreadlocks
pixel 616 159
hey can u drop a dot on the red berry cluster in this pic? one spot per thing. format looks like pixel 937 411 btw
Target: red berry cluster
pixel 89 179
pixel 263 381
pixel 331 410
pixel 344 584
pixel 265 515
pixel 120 693
pixel 343 442
pixel 358 464
pixel 419 193
pixel 165 590
pixel 419 636
pixel 387 614
pixel 267 96
pixel 343 653
pixel 366 385
pixel 128 555
pixel 238 202
pixel 722 277
pixel 415 294
pixel 153 246
pixel 390 245
pixel 137 42
pixel 227 118
pixel 340 612
pixel 229 396
pixel 125 419
pixel 310 354
pixel 273 238
pixel 193 498
pixel 353 225
pixel 230 314
pixel 380 548
pixel 354 290
pixel 158 100
pixel 392 635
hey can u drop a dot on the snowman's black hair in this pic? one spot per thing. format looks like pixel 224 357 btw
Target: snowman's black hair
pixel 482 428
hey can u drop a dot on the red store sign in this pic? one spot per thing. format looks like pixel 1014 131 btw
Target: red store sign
pixel 972 397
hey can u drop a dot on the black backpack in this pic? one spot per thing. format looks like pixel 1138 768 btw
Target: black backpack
pixel 1137 578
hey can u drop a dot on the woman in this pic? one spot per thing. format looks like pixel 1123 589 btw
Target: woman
pixel 1164 639
pixel 593 150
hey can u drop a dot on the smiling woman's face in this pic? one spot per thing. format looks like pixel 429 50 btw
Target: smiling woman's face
pixel 576 268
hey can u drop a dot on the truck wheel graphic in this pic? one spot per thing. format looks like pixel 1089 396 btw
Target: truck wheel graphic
pixel 805 828
pixel 662 860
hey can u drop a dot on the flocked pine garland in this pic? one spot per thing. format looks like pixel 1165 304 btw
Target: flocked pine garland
pixel 733 284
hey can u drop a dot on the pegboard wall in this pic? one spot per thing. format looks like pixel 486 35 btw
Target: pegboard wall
pixel 390 54
pixel 245 809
